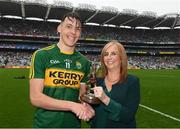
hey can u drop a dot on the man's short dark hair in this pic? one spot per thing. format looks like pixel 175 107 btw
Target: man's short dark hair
pixel 72 15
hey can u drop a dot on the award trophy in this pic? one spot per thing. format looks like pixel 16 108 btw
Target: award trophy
pixel 89 96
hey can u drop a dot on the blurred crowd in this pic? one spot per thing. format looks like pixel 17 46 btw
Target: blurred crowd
pixel 154 62
pixel 15 58
pixel 41 28
pixel 143 62
pixel 20 57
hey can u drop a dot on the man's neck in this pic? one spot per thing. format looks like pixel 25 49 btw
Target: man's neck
pixel 65 49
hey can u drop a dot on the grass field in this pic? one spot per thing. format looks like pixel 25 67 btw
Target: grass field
pixel 160 99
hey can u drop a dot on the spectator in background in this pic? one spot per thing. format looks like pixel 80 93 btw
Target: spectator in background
pixel 118 91
pixel 55 76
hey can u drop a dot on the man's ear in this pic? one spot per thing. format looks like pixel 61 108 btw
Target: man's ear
pixel 59 28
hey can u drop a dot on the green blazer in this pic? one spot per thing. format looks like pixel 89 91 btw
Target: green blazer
pixel 123 105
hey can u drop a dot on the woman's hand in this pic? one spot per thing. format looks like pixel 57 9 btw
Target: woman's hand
pixel 99 92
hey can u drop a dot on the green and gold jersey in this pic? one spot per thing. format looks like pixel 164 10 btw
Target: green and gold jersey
pixel 62 74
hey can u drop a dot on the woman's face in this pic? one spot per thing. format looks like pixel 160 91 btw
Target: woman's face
pixel 112 58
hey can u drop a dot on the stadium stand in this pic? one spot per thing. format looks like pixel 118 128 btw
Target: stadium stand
pixel 151 48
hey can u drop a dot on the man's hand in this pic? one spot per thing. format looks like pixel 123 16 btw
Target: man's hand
pixel 83 111
pixel 88 114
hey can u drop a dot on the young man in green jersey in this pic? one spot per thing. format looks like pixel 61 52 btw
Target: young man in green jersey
pixel 55 76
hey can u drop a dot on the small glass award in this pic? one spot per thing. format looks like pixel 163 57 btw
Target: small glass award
pixel 88 95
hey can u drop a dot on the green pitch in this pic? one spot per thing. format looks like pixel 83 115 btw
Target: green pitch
pixel 160 93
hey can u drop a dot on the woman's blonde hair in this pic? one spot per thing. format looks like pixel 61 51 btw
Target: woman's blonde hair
pixel 123 58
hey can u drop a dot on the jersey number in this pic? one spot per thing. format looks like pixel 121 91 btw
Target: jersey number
pixel 67 65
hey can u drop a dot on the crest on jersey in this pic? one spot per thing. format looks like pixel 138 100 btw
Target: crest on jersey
pixel 78 65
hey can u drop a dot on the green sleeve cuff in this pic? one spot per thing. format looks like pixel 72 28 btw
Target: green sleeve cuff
pixel 113 109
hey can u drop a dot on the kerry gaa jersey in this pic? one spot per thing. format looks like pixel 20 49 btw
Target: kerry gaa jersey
pixel 62 74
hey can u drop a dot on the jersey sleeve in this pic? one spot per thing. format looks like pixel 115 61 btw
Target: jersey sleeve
pixel 37 69
pixel 87 72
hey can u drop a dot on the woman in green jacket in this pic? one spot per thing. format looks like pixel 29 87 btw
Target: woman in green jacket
pixel 118 91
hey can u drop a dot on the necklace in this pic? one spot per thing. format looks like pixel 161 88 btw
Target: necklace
pixel 112 81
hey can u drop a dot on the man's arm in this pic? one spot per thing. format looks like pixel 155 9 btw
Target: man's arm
pixel 39 99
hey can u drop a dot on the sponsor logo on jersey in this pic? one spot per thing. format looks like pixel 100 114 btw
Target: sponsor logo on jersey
pixel 64 78
pixel 54 61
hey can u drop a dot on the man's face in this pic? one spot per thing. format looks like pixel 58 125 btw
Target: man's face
pixel 70 31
